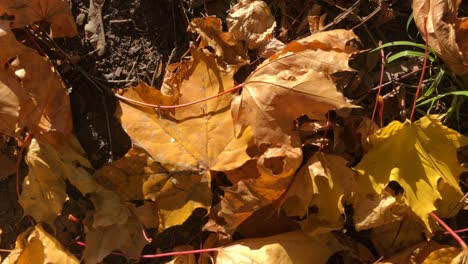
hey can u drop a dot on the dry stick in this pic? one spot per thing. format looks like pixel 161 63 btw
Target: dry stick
pixel 449 230
pixel 457 231
pixel 237 87
pixel 382 70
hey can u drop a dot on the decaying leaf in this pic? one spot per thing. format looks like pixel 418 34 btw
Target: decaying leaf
pixel 287 248
pixel 94 29
pixel 55 12
pixel 226 47
pixel 36 246
pixel 34 95
pixel 178 195
pixel 44 187
pixel 187 141
pixel 300 73
pixel 251 21
pixel 275 169
pixel 126 175
pixel 323 183
pixel 127 238
pixel 391 238
pixel 447 33
pixel 417 158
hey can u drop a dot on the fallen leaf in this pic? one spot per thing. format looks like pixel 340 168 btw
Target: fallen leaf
pixel 396 236
pixel 275 170
pixel 34 94
pixel 147 214
pixel 447 33
pixel 55 12
pixel 418 157
pixel 94 29
pixel 324 183
pixel 287 248
pixel 226 47
pixel 251 21
pixel 177 196
pixel 44 192
pixel 187 141
pixel 36 246
pixel 127 238
pixel 127 175
pixel 7 161
pixel 425 252
pixel 300 73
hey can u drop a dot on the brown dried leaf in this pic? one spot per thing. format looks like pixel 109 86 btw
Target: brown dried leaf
pixel 126 175
pixel 178 195
pixel 127 238
pixel 36 246
pixel 275 168
pixel 35 96
pixel 300 73
pixel 251 21
pixel 55 12
pixel 226 47
pixel 447 33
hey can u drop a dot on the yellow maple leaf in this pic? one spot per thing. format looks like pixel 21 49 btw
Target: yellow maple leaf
pixel 55 12
pixel 187 141
pixel 36 246
pixel 286 248
pixel 324 183
pixel 422 158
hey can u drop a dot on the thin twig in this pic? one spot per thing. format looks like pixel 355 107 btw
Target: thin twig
pixel 382 71
pixel 449 230
pixel 421 79
pixel 157 107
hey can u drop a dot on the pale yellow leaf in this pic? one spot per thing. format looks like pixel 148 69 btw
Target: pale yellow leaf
pixel 287 248
pixel 36 246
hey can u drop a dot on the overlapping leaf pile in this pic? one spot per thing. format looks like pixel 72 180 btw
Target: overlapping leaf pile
pixel 251 137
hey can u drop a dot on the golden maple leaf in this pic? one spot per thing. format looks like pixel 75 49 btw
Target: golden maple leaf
pixel 422 158
pixel 296 81
pixel 188 141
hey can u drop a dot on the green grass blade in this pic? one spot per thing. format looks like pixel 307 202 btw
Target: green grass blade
pixel 407 53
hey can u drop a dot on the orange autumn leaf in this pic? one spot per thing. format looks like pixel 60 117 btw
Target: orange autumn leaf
pixel 296 81
pixel 55 12
pixel 34 94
